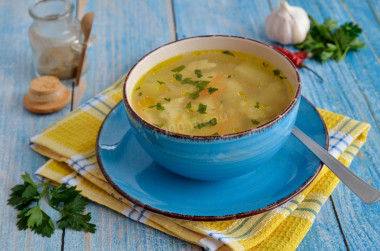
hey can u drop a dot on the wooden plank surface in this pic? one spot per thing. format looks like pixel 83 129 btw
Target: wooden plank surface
pixel 352 89
pixel 358 220
pixel 17 125
pixel 126 30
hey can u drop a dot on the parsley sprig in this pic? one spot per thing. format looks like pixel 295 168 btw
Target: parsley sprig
pixel 198 73
pixel 68 201
pixel 212 89
pixel 228 53
pixel 158 106
pixel 199 84
pixel 327 41
pixel 211 122
pixel 202 108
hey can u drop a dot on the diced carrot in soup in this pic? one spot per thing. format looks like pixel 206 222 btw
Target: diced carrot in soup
pixel 214 92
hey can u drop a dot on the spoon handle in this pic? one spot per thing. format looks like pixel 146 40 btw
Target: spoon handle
pixel 81 6
pixel 364 191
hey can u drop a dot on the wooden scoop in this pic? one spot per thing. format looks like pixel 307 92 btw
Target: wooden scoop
pixel 81 6
pixel 79 87
pixel 86 26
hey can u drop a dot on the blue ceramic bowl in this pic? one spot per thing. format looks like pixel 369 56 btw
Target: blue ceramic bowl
pixel 213 157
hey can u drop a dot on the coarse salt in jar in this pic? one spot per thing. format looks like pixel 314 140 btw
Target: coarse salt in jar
pixel 55 37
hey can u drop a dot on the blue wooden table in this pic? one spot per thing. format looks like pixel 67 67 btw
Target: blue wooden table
pixel 126 30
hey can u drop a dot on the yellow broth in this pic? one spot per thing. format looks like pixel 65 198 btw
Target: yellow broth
pixel 213 92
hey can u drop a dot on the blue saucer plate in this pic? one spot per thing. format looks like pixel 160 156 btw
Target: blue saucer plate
pixel 133 173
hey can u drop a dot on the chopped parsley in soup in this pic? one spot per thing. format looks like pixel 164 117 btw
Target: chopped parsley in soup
pixel 211 92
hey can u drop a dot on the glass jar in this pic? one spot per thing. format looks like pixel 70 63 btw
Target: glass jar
pixel 55 37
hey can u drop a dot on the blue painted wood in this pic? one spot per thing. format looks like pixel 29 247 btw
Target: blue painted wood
pixel 352 89
pixel 127 30
pixel 17 125
pixel 240 18
pixel 375 8
pixel 363 67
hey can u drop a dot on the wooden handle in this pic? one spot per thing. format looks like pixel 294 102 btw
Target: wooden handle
pixel 86 26
pixel 81 6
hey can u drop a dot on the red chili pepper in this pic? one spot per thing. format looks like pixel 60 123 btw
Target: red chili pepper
pixel 297 58
pixel 302 54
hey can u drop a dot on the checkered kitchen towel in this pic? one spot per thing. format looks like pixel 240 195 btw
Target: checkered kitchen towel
pixel 70 145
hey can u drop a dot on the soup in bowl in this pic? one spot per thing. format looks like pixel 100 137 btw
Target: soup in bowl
pixel 212 107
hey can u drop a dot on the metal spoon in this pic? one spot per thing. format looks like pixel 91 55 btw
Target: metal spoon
pixel 364 191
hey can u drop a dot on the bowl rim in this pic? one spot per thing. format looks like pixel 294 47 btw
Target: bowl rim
pixel 255 130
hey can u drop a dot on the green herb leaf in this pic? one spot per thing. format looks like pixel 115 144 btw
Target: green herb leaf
pixel 24 195
pixel 194 95
pixel 27 179
pixel 76 205
pixel 202 108
pixel 67 201
pixel 178 69
pixel 73 205
pixel 198 73
pixel 228 53
pixel 22 223
pixel 159 125
pixel 158 106
pixel 47 226
pixel 138 88
pixel 265 64
pixel 140 93
pixel 199 84
pixel 72 216
pixel 167 99
pixel 215 134
pixel 77 222
pixel 188 105
pixel 178 77
pixel 35 219
pixel 202 84
pixel 63 194
pixel 327 41
pixel 257 105
pixel 212 122
pixel 277 72
pixel 160 82
pixel 255 122
pixel 212 89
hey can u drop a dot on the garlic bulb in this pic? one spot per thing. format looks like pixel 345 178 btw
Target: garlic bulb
pixel 287 24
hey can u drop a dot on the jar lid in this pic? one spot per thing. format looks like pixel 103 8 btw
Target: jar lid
pixel 46 95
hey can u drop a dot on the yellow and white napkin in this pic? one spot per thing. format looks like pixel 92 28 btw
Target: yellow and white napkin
pixel 70 145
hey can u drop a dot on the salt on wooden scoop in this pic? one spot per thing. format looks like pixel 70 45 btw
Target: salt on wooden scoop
pixel 46 95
